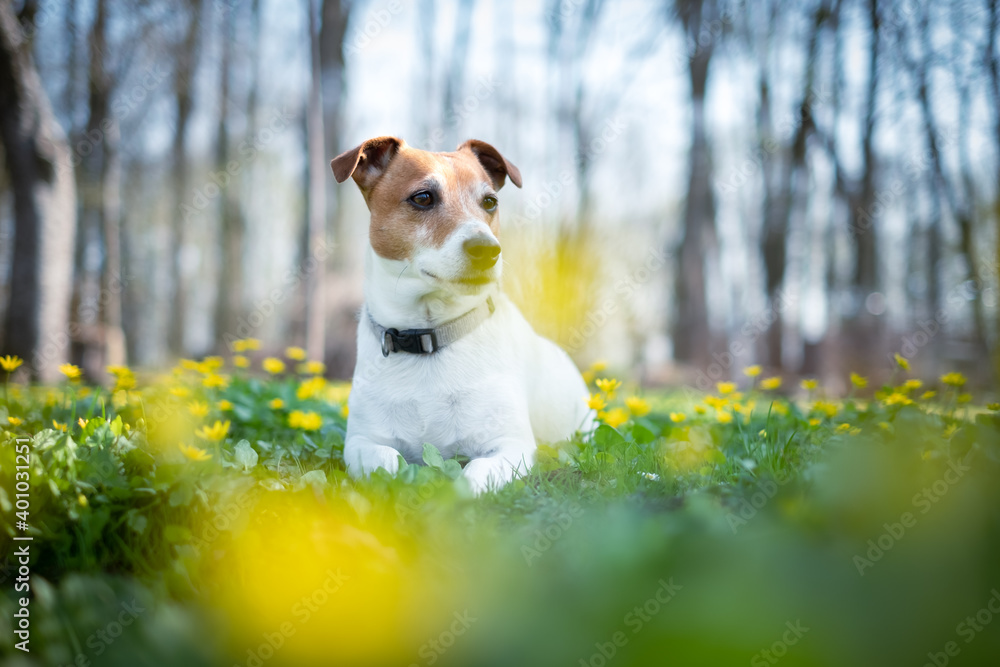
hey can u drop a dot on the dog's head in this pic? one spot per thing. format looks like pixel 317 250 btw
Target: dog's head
pixel 437 211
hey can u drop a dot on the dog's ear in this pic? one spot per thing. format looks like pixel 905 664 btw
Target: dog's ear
pixel 367 162
pixel 497 166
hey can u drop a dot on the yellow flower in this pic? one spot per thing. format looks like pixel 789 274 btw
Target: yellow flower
pixel 751 371
pixel 210 364
pixel 815 422
pixel 723 417
pixel 215 432
pixel 637 406
pixel 588 376
pixel 198 408
pixel 885 426
pixel 614 417
pixel 57 426
pixel 725 387
pixel 902 362
pixel 950 431
pixel 677 417
pixel 11 363
pixel 608 386
pixel 82 499
pixel 598 366
pixel 190 365
pixel 597 402
pixel 858 381
pixel 276 404
pixel 310 388
pixel 193 453
pixel 843 428
pixel 224 405
pixel 180 392
pixel 993 406
pixel 762 433
pixel 912 384
pixel 897 398
pixel 14 421
pixel 699 409
pixel 82 422
pixel 273 365
pixel 927 395
pixel 313 368
pixel 295 353
pixel 70 371
pixel 306 421
pixel 780 409
pixel 241 361
pixel 809 384
pixel 245 344
pixel 953 379
pixel 769 384
pixel 344 410
pixel 964 398
pixel 716 402
pixel 827 408
pixel 215 381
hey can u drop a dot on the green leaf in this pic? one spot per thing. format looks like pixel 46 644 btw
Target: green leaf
pixel 245 455
pixel 432 456
pixel 117 426
pixel 608 438
pixel 642 435
pixel 176 534
pixel 137 522
pixel 312 477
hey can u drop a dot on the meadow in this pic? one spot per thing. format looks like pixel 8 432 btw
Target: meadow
pixel 203 516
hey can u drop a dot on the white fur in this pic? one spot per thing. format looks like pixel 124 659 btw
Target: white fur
pixel 491 395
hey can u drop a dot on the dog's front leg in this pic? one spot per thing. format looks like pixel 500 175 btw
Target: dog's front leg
pixel 511 458
pixel 363 456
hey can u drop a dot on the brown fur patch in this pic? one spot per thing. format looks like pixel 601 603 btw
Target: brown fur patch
pixel 396 225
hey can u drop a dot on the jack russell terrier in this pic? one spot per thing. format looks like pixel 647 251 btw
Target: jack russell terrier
pixel 444 357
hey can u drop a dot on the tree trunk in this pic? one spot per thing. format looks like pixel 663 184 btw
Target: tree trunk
pixel 691 332
pixel 38 160
pixel 336 14
pixel 316 238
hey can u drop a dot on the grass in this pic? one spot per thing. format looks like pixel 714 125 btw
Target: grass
pixel 204 517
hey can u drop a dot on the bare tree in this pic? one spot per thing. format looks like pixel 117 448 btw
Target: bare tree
pixel 37 159
pixel 316 234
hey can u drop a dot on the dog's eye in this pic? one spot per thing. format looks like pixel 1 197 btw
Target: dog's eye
pixel 423 199
pixel 490 203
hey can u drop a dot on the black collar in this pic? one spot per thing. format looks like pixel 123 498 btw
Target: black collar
pixel 428 341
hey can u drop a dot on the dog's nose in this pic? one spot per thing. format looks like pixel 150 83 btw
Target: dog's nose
pixel 482 251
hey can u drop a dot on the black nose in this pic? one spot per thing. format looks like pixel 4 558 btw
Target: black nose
pixel 482 251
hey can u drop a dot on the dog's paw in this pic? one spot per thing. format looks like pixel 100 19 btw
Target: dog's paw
pixel 489 473
pixel 363 460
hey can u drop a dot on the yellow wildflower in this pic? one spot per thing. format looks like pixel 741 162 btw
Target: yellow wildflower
pixel 950 431
pixel 14 421
pixel 598 366
pixel 723 417
pixel 608 386
pixel 276 404
pixel 780 409
pixel 751 371
pixel 762 433
pixel 82 499
pixel 716 402
pixel 770 384
pixel 897 398
pixel 215 381
pixel 295 353
pixel 11 363
pixel 313 368
pixel 614 417
pixel 725 387
pixel 344 410
pixel 306 421
pixel 815 422
pixel 215 432
pixel 902 362
pixel 953 379
pixel 193 453
pixel 245 344
pixel 927 395
pixel 190 365
pixel 964 398
pixel 310 388
pixel 699 409
pixel 912 384
pixel 210 364
pixel 588 377
pixel 810 384
pixel 597 402
pixel 180 392
pixel 241 361
pixel 224 405
pixel 885 426
pixel 198 408
pixel 827 408
pixel 273 365
pixel 993 406
pixel 677 417
pixel 843 428
pixel 57 426
pixel 637 406
pixel 859 381
pixel 70 371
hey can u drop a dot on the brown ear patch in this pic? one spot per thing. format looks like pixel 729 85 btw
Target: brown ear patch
pixel 496 165
pixel 366 162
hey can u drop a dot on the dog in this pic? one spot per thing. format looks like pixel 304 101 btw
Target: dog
pixel 444 357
